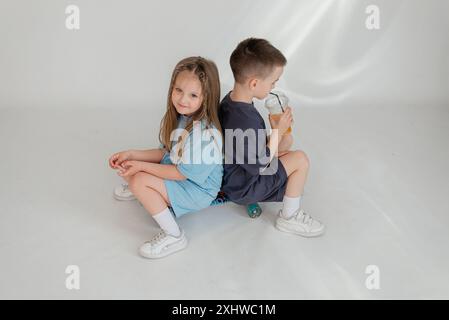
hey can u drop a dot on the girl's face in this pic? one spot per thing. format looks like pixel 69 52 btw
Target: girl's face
pixel 187 95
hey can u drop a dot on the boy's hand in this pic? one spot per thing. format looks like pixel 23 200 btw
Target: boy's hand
pixel 117 159
pixel 285 121
pixel 131 167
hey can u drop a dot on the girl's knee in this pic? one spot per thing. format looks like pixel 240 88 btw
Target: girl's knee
pixel 136 181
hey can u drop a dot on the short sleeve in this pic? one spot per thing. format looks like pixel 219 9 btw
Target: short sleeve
pixel 202 153
pixel 197 173
pixel 257 153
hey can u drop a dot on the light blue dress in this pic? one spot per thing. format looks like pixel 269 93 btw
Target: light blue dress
pixel 201 163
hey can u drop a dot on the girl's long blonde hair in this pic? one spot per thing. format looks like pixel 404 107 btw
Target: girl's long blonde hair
pixel 208 75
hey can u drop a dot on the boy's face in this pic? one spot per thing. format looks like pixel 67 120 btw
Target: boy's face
pixel 187 94
pixel 262 87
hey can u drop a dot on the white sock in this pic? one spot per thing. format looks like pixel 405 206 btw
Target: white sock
pixel 290 206
pixel 167 222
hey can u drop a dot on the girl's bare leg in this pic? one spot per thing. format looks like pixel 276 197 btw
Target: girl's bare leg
pixel 152 200
pixel 150 191
pixel 126 179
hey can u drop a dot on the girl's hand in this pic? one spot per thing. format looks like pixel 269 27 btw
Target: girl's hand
pixel 130 168
pixel 116 160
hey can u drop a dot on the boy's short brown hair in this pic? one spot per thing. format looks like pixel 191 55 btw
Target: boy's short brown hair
pixel 255 57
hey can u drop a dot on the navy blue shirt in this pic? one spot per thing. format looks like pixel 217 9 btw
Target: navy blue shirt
pixel 244 161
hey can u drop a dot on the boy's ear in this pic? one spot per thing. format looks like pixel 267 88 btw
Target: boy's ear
pixel 253 83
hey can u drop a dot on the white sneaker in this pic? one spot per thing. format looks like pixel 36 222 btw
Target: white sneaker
pixel 123 193
pixel 162 245
pixel 301 223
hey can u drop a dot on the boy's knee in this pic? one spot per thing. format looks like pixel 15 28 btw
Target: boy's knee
pixel 289 139
pixel 301 159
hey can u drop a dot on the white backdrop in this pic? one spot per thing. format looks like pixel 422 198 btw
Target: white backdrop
pixel 372 117
pixel 124 51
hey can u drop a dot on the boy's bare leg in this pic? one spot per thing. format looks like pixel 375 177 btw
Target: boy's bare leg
pixel 281 153
pixel 284 145
pixel 296 164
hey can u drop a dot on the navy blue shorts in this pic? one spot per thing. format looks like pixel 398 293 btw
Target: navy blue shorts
pixel 267 188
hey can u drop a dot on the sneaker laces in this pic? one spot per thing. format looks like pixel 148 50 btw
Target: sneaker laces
pixel 304 218
pixel 157 238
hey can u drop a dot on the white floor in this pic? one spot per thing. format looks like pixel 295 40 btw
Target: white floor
pixel 379 180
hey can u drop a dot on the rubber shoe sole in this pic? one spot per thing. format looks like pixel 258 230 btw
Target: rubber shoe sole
pixel 303 234
pixel 175 247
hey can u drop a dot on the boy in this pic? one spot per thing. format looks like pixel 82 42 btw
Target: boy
pixel 259 168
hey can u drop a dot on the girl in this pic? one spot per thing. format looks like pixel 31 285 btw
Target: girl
pixel 185 173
